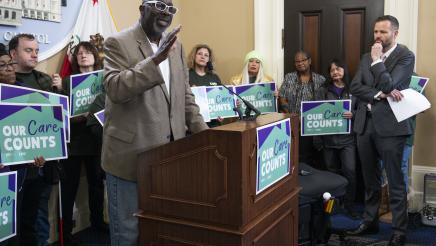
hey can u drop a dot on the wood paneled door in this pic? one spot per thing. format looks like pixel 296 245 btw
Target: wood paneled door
pixel 329 29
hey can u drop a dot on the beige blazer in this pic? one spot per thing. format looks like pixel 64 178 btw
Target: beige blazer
pixel 139 113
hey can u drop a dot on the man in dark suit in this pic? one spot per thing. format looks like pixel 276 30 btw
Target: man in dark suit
pixel 383 73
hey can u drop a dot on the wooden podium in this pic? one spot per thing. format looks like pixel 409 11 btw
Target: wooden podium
pixel 201 190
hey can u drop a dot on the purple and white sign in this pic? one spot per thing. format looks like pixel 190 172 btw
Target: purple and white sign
pixel 260 95
pixel 100 117
pixel 8 205
pixel 84 88
pixel 273 153
pixel 418 83
pixel 27 96
pixel 325 117
pixel 29 131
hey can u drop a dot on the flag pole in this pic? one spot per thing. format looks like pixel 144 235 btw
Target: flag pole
pixel 61 220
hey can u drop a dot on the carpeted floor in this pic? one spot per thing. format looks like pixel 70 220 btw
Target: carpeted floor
pixel 417 234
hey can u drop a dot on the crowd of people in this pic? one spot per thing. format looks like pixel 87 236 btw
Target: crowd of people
pixel 148 102
pixel 35 180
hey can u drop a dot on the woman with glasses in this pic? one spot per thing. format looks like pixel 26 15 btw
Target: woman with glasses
pixel 7 71
pixel 300 85
pixel 82 150
pixel 252 71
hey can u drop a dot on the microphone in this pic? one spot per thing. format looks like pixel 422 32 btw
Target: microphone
pixel 209 65
pixel 326 196
pixel 328 202
pixel 248 105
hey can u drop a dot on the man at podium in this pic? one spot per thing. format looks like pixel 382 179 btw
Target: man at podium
pixel 149 103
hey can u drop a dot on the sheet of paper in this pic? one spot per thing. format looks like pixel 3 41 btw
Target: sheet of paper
pixel 412 103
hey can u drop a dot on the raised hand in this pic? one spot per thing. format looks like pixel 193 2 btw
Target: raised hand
pixel 167 44
pixel 376 51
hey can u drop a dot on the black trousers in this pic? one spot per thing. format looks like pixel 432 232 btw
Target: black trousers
pixel 70 183
pixel 371 148
pixel 308 154
pixel 34 225
pixel 343 161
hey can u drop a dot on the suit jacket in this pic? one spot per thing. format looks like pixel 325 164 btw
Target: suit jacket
pixel 140 114
pixel 394 73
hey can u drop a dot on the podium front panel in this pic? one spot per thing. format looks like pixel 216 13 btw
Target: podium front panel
pixel 210 177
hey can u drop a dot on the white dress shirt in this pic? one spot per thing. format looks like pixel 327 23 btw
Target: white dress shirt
pixel 383 58
pixel 385 55
pixel 164 66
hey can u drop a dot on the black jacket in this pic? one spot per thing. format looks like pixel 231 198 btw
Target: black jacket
pixel 327 92
pixel 394 73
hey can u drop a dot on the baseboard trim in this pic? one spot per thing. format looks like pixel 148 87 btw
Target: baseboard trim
pixel 416 189
pixel 423 169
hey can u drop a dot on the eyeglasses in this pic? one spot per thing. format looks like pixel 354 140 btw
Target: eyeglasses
pixel 163 7
pixel 5 66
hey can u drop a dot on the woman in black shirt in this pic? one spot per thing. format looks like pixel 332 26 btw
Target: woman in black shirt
pixel 200 67
pixel 340 149
pixel 82 150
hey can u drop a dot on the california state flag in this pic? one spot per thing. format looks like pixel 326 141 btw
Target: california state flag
pixel 94 17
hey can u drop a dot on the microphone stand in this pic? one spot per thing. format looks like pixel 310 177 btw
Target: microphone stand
pixel 248 105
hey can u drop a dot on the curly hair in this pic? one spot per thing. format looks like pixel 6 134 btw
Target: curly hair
pixel 191 57
pixel 89 47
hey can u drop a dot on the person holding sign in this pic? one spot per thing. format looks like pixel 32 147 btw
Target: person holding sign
pixel 149 103
pixel 340 149
pixel 7 70
pixel 252 72
pixel 200 66
pixel 82 150
pixel 24 50
pixel 382 73
pixel 299 86
pixel 201 72
pixel 7 76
